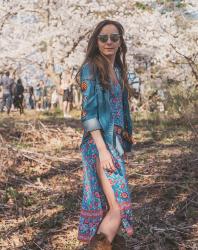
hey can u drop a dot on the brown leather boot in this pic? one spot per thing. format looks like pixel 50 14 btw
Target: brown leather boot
pixel 119 243
pixel 100 242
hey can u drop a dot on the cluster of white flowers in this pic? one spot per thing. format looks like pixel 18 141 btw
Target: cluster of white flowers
pixel 36 32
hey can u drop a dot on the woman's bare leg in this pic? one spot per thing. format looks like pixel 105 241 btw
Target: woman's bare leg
pixel 68 107
pixel 111 222
pixel 65 103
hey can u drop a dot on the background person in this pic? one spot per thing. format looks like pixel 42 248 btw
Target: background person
pixel 38 94
pixel 7 85
pixel 44 95
pixel 18 96
pixel 31 98
pixel 54 99
pixel 67 92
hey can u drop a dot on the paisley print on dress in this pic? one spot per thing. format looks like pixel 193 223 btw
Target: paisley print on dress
pixel 94 203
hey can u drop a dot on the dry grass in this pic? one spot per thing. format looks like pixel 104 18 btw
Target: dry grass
pixel 41 182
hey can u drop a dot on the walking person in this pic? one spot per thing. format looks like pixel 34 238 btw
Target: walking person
pixel 44 95
pixel 18 96
pixel 54 99
pixel 7 84
pixel 106 203
pixel 38 95
pixel 67 90
pixel 31 98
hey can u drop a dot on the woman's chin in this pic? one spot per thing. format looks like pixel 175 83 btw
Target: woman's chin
pixel 110 53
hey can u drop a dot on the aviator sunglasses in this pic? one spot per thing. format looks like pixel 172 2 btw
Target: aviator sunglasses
pixel 113 37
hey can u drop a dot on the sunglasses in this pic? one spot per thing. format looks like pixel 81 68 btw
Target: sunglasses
pixel 113 37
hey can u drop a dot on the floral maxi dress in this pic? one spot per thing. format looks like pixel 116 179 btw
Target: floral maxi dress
pixel 94 203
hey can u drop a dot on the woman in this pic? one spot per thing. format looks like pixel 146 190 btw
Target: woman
pixel 106 203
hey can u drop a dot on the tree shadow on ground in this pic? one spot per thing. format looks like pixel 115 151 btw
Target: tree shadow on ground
pixel 69 122
pixel 164 192
pixel 9 126
pixel 49 200
pixel 165 206
pixel 57 224
pixel 160 120
pixel 57 211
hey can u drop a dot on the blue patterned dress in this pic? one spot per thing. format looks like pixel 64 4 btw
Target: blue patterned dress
pixel 94 203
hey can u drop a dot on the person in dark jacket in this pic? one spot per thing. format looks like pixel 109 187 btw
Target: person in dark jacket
pixel 18 96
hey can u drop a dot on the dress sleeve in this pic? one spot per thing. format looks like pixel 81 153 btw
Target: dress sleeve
pixel 89 115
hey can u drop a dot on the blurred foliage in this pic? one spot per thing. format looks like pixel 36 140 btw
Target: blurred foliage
pixel 181 100
pixel 142 6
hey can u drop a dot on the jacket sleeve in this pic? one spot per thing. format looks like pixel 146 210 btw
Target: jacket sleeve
pixel 89 115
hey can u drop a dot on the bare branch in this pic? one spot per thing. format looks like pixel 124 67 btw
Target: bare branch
pixel 75 44
pixel 190 61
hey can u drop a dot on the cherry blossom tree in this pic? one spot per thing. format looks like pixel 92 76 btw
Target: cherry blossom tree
pixel 42 38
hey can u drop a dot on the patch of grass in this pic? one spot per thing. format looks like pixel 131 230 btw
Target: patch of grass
pixel 22 145
pixel 181 5
pixel 54 221
pixel 76 113
pixel 170 193
pixel 32 222
pixel 192 213
pixel 55 113
pixel 19 198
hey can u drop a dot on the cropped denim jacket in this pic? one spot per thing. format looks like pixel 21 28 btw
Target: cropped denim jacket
pixel 96 112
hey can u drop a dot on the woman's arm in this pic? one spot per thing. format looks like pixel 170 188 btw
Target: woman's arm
pixel 105 158
pixel 89 116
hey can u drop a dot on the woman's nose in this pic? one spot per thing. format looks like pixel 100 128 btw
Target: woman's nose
pixel 109 41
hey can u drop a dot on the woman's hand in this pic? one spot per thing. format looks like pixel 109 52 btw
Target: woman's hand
pixel 106 161
pixel 126 159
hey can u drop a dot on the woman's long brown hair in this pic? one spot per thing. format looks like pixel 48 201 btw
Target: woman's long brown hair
pixel 99 61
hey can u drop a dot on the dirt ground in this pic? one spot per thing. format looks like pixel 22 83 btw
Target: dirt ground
pixel 41 183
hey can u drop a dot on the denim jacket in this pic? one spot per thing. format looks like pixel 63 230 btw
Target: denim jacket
pixel 96 112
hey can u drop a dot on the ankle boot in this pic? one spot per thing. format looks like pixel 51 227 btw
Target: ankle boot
pixel 119 243
pixel 100 242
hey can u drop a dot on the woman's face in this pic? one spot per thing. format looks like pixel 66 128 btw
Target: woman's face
pixel 109 40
